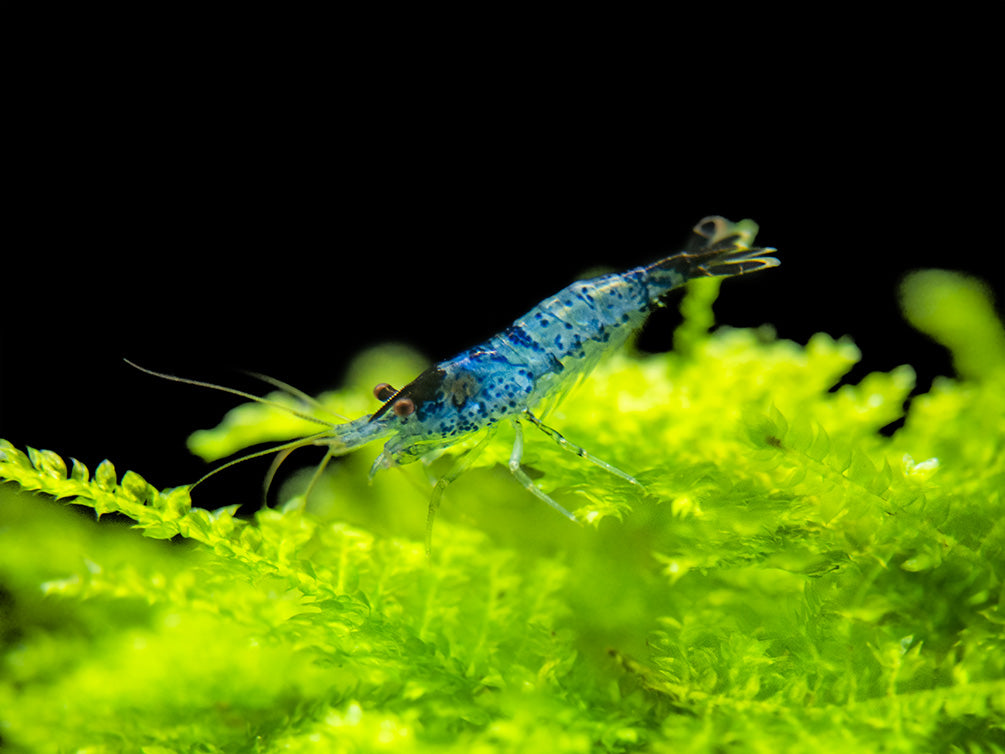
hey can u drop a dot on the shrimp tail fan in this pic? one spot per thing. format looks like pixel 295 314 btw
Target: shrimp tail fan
pixel 731 260
pixel 721 248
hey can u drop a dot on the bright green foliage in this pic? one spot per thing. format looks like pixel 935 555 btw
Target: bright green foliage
pixel 957 311
pixel 791 580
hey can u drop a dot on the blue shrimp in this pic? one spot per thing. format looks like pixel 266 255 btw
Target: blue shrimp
pixel 535 361
pixel 532 364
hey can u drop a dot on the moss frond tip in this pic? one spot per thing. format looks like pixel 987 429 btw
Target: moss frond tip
pixel 957 311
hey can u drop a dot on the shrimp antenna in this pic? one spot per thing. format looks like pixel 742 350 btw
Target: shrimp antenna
pixel 295 392
pixel 242 394
pixel 285 449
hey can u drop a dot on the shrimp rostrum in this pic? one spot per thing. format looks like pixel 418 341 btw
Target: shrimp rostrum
pixel 533 363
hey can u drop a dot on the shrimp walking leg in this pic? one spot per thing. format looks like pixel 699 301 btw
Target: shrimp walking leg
pixel 521 475
pixel 460 466
pixel 578 450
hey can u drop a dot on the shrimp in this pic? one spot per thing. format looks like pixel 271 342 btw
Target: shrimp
pixel 532 364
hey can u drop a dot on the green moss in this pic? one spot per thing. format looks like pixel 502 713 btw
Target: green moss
pixel 792 579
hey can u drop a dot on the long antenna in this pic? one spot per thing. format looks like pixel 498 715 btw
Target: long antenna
pixel 310 400
pixel 300 442
pixel 241 393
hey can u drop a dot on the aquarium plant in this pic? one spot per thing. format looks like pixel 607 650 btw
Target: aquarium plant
pixel 810 564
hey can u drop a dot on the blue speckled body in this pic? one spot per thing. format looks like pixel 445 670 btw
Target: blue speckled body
pixel 540 355
pixel 538 358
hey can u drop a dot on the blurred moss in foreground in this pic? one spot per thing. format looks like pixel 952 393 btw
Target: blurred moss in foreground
pixel 792 578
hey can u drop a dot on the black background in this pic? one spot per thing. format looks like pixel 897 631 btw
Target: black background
pixel 236 218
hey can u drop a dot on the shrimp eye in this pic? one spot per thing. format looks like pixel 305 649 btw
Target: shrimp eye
pixel 383 391
pixel 403 407
pixel 710 227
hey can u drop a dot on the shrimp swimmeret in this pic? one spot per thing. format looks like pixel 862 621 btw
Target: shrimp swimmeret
pixel 535 360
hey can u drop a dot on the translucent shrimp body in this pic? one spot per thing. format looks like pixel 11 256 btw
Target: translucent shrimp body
pixel 536 360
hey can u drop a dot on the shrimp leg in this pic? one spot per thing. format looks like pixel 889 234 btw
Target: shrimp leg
pixel 460 466
pixel 571 447
pixel 465 461
pixel 521 475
